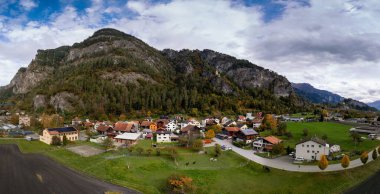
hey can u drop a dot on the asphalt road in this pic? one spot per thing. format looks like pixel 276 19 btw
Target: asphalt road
pixel 36 174
pixel 369 186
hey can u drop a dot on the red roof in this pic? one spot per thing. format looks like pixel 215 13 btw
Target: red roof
pixel 232 129
pixel 103 128
pixel 272 139
pixel 145 124
pixel 122 126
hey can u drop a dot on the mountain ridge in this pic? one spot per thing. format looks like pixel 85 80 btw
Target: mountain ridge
pixel 113 72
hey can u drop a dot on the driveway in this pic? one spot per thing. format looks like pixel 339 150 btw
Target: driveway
pixel 283 164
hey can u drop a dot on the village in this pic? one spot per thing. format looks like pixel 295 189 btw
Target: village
pixel 266 136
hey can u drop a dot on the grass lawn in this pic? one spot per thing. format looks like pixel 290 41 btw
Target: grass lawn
pixel 230 174
pixel 336 133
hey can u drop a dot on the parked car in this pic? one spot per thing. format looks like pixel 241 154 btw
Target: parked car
pixel 226 147
pixel 292 154
pixel 299 159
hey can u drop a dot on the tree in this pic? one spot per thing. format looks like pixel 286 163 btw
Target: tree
pixel 355 137
pixel 305 132
pixel 15 119
pixel 197 145
pixel 218 150
pixel 122 117
pixel 216 128
pixel 108 144
pixel 364 157
pixel 210 134
pixel 139 150
pixel 282 128
pixel 345 162
pixel 323 163
pixel 149 151
pixel 173 153
pixel 56 141
pixel 374 154
pixel 278 149
pixel 180 184
pixel 324 137
pixel 269 122
pixel 64 140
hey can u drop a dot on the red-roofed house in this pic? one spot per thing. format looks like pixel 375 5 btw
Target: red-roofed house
pixel 230 131
pixel 266 143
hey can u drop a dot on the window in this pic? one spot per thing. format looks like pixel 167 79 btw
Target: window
pixel 312 146
pixel 307 145
pixel 312 157
pixel 317 151
pixel 320 146
pixel 303 145
pixel 308 151
pixel 312 151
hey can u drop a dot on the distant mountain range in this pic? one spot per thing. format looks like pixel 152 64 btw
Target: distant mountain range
pixel 318 96
pixel 315 95
pixel 375 104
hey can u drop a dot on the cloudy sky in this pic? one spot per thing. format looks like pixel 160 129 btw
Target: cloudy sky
pixel 334 45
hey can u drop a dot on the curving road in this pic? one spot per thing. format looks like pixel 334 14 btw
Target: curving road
pixel 287 165
pixel 34 174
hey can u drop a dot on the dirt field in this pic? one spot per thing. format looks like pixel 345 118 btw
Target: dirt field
pixel 85 150
pixel 37 174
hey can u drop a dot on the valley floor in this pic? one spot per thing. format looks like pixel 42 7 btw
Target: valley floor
pixel 230 174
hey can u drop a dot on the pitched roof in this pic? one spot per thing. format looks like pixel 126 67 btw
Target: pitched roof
pixel 314 139
pixel 189 128
pixel 54 131
pixel 272 139
pixel 128 136
pixel 162 132
pixel 145 124
pixel 233 129
pixel 122 126
pixel 249 132
pixel 103 128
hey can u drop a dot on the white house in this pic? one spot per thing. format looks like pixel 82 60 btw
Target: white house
pixel 163 136
pixel 312 149
pixel 171 126
pixel 249 116
pixel 224 120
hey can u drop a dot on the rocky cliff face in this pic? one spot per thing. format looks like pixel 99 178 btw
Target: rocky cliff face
pixel 112 58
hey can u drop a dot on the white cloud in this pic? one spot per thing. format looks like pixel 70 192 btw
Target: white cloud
pixel 330 44
pixel 28 4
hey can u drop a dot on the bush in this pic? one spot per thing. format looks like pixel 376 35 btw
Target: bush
pixel 345 161
pixel 364 157
pixel 374 154
pixel 323 163
pixel 180 184
pixel 278 149
pixel 239 144
pixel 56 141
pixel 197 145
pixel 218 150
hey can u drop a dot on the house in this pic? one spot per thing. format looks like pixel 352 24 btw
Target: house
pixel 229 123
pixel 230 131
pixel 76 121
pixel 171 126
pixel 224 120
pixel 312 148
pixel 104 129
pixel 24 121
pixel 247 135
pixel 128 138
pixel 147 133
pixel 122 127
pixel 163 136
pixel 71 134
pixel 191 130
pixel 194 122
pixel 153 127
pixel 241 118
pixel 145 124
pixel 266 143
pixel 242 126
pixel 161 123
pixel 249 116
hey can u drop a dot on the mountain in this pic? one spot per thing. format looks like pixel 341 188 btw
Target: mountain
pixel 113 73
pixel 315 95
pixel 375 104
